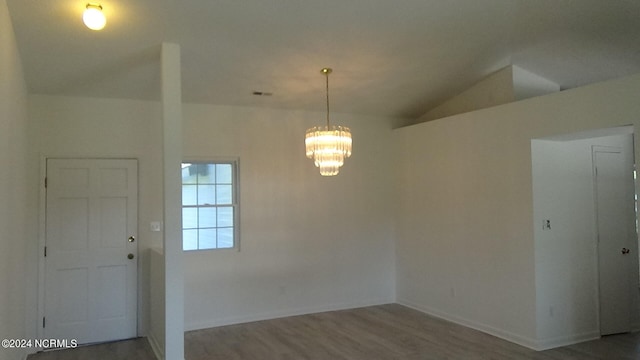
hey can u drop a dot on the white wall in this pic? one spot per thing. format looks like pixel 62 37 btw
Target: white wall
pixel 17 183
pixel 566 254
pixel 495 89
pixel 308 243
pixel 156 333
pixel 465 241
pixel 86 127
pixel 527 84
pixel 506 85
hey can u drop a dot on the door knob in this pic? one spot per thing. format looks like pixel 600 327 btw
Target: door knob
pixel 625 251
pixel 130 256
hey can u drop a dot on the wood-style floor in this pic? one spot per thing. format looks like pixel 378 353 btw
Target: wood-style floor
pixel 377 332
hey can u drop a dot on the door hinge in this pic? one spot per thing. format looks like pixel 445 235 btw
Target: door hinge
pixel 45 182
pixel 44 321
pixel 45 251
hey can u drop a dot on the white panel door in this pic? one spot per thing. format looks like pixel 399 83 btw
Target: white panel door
pixel 91 249
pixel 615 223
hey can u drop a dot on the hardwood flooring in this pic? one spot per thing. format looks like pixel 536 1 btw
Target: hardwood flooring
pixel 134 349
pixel 377 332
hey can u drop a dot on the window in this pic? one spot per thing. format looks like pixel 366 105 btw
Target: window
pixel 209 205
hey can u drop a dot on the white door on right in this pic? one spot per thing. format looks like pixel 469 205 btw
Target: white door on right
pixel 615 225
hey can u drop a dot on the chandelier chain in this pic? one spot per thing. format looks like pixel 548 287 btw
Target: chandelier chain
pixel 327 75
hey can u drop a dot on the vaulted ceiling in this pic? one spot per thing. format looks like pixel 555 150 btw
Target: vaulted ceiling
pixel 392 58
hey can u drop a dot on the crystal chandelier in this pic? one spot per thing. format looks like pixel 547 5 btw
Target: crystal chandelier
pixel 328 145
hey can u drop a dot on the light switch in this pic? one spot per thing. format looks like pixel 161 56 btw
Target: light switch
pixel 155 226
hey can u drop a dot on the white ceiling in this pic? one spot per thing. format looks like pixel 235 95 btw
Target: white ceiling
pixel 394 58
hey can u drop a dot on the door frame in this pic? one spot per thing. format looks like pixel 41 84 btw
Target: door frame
pixel 551 330
pixel 42 232
pixel 596 230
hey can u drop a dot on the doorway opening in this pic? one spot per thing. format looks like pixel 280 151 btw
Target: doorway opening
pixel 584 218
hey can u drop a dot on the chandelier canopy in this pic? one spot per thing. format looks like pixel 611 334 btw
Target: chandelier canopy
pixel 328 145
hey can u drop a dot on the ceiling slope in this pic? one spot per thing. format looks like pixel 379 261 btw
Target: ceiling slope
pixel 390 58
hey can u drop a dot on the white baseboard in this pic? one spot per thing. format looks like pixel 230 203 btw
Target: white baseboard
pixel 280 314
pixel 500 333
pixel 158 350
pixel 534 344
pixel 546 344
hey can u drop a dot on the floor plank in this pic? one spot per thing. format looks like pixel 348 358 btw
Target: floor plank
pixel 378 332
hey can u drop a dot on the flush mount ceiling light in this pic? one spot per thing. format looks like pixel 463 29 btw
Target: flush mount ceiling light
pixel 328 145
pixel 93 17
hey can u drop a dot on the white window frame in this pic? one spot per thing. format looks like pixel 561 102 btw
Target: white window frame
pixel 235 169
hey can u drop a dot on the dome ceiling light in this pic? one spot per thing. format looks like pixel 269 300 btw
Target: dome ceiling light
pixel 93 17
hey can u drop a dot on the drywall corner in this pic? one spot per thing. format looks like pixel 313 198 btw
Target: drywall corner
pixel 527 84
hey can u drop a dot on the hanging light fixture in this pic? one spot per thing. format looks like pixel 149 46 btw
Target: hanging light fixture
pixel 328 145
pixel 93 17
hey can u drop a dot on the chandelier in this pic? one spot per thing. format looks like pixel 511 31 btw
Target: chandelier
pixel 328 145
